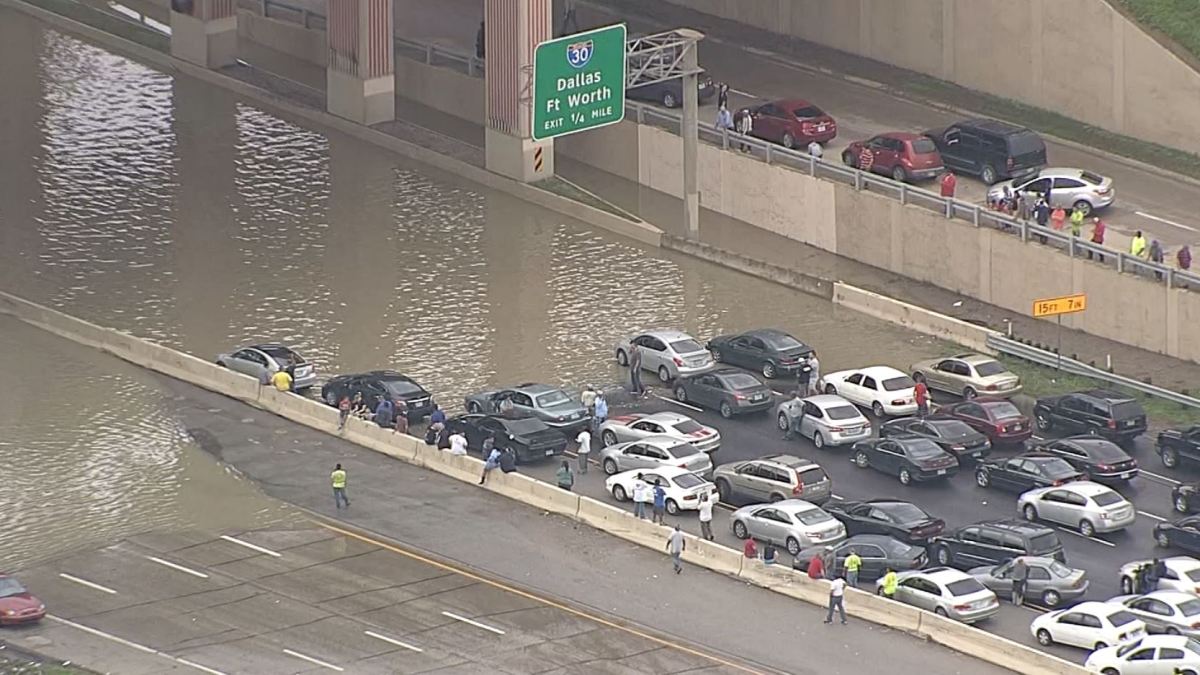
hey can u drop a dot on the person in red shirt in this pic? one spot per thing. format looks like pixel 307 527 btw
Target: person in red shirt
pixel 1098 230
pixel 949 182
pixel 921 394
pixel 816 567
pixel 749 549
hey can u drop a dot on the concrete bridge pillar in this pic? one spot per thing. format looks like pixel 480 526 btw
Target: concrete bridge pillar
pixel 360 78
pixel 204 32
pixel 512 30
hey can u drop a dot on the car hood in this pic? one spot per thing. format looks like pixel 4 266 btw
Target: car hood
pixel 19 602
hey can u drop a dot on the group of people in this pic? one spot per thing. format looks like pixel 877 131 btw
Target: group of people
pixel 822 566
pixel 1147 575
pixel 387 412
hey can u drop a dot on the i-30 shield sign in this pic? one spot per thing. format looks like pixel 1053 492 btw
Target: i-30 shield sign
pixel 579 53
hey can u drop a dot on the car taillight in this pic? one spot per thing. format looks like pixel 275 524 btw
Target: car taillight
pixel 1000 428
pixel 678 361
pixel 898 401
pixel 1195 625
pixel 806 126
pixel 798 489
pixel 838 429
pixel 683 466
pixel 958 447
pixel 1103 467
pixel 992 387
pixel 1103 191
pixel 739 397
pixel 1057 483
pixel 1112 424
pixel 961 608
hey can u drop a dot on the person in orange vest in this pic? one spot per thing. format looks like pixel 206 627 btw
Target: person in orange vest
pixel 1098 230
pixel 949 182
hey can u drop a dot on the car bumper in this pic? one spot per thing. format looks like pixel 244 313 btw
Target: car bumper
pixel 573 425
pixel 1013 437
pixel 686 370
pixel 1073 594
pixel 821 137
pixel 923 475
pixel 1114 525
pixel 1104 201
pixel 744 407
pixel 709 445
pixel 900 410
pixel 1007 392
pixel 973 615
pixel 305 381
pixel 1114 477
pixel 845 437
pixel 528 454
pixel 925 174
pixel 21 618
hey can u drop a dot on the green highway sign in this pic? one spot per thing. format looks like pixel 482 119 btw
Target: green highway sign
pixel 579 82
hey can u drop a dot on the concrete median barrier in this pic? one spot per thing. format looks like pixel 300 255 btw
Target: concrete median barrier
pixel 993 648
pixel 714 556
pixel 621 523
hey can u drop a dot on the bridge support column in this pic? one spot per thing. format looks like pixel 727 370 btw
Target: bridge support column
pixel 360 79
pixel 204 32
pixel 513 28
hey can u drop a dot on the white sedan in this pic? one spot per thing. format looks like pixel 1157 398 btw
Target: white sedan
pixel 883 389
pixel 1183 574
pixel 1090 625
pixel 683 487
pixel 1151 655
pixel 636 426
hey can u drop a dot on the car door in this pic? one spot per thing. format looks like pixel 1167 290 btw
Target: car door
pixel 1072 629
pixel 1156 613
pixel 738 353
pixel 634 456
pixel 888 457
pixel 1033 188
pixel 975 417
pixel 941 376
pixel 493 403
pixel 917 592
pixel 749 484
pixel 1187 536
pixel 643 428
pixel 1009 475
pixel 951 148
pixel 851 388
pixel 970 547
pixel 812 419
pixel 1051 506
pixel 1074 456
pixel 1068 415
pixel 768 525
pixel 484 427
pixel 869 391
pixel 1142 662
pixel 968 153
pixel 251 362
pixel 874 560
pixel 776 480
pixel 523 404
pixel 879 522
pixel 654 353
pixel 1037 580
pixel 754 353
pixel 1067 191
pixel 701 390
pixel 1171 660
pixel 768 123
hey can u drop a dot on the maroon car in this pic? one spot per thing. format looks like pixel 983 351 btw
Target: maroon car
pixel 793 123
pixel 18 605
pixel 997 418
pixel 903 156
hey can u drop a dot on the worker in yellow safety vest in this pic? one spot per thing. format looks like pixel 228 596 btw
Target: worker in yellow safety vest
pixel 338 478
pixel 889 583
pixel 1137 247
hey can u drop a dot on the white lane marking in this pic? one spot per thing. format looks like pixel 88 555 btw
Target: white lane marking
pixel 836 496
pixel 1151 515
pixel 1084 536
pixel 181 568
pixel 393 641
pixel 310 659
pixel 133 645
pixel 254 547
pixel 1168 222
pixel 739 92
pixel 777 393
pixel 1172 481
pixel 85 582
pixel 464 619
pixel 689 406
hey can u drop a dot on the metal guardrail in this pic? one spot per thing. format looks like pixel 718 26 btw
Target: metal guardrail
pixel 1047 358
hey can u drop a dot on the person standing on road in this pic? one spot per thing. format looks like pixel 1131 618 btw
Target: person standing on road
pixel 343 412
pixel 889 584
pixel 282 380
pixel 635 369
pixel 491 463
pixel 743 122
pixel 815 375
pixel 601 412
pixel 584 439
pixel 948 183
pixel 793 427
pixel 1156 256
pixel 853 565
pixel 660 503
pixel 921 394
pixel 641 497
pixel 1041 215
pixel 1137 247
pixel 723 95
pixel 837 592
pixel 1076 222
pixel 1098 230
pixel 564 477
pixel 706 509
pixel 804 378
pixel 1184 258
pixel 676 545
pixel 588 399
pixel 816 566
pixel 724 120
pixel 1020 575
pixel 1058 218
pixel 338 480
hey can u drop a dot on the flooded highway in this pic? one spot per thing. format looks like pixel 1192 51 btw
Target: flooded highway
pixel 175 210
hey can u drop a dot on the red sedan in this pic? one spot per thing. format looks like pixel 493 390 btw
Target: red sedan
pixel 996 418
pixel 18 605
pixel 903 156
pixel 792 123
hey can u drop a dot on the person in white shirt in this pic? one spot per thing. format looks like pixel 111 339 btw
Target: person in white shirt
pixel 837 592
pixel 584 439
pixel 706 508
pixel 815 150
pixel 458 444
pixel 641 496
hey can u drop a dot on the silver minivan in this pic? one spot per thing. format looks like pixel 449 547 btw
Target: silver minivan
pixel 827 419
pixel 771 479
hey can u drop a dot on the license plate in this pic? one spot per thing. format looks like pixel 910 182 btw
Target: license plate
pixel 1016 427
pixel 941 472
pixel 758 397
pixel 820 127
pixel 549 453
pixel 977 454
pixel 1127 474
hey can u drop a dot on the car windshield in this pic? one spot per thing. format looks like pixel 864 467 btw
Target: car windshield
pixel 688 481
pixel 923 449
pixel 1090 177
pixel 923 146
pixel 1190 607
pixel 1128 647
pixel 1025 142
pixel 784 343
pixel 952 429
pixel 10 587
pixel 528 425
pixel 1107 498
pixel 964 587
pixel 1107 452
pixel 907 513
pixel 552 398
pixel 812 517
pixel 842 412
pixel 989 368
pixel 1193 575
pixel 402 388
pixel 1044 543
pixel 686 346
pixel 1060 570
pixel 898 383
pixel 683 450
pixel 1127 409
pixel 687 427
pixel 808 111
pixel 1121 618
pixel 739 381
pixel 1003 410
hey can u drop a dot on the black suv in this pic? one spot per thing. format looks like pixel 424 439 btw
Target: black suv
pixel 989 149
pixel 995 541
pixel 1098 412
pixel 378 384
pixel 1176 444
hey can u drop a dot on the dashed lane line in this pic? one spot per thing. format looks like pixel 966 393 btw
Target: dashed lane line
pixel 393 641
pixel 689 406
pixel 1152 516
pixel 176 566
pixel 1084 536
pixel 1169 481
pixel 313 660
pixel 472 622
pixel 1181 226
pixel 133 645
pixel 253 547
pixel 89 584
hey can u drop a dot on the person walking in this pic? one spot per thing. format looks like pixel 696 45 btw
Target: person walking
pixel 1137 247
pixel 491 462
pixel 601 412
pixel 1184 258
pixel 584 439
pixel 837 592
pixel 815 375
pixel 743 122
pixel 641 496
pixel 921 394
pixel 282 380
pixel 948 184
pixel 635 369
pixel 338 479
pixel 890 582
pixel 706 515
pixel 853 565
pixel 660 503
pixel 723 95
pixel 793 427
pixel 343 412
pixel 676 545
pixel 816 566
pixel 564 477
pixel 1098 230
pixel 1020 576
pixel 1156 256
pixel 724 122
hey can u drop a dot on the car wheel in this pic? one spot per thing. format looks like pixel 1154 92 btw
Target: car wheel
pixel 989 175
pixel 608 438
pixel 877 408
pixel 672 507
pixel 1051 598
pixel 739 530
pixel 1100 645
pixel 1043 637
pixel 1110 671
pixel 788 141
pixel 681 394
pixel 610 467
pixel 969 393
pixel 775 497
pixel 1162 539
pixel 861 460
pixel 474 408
pixel 1169 457
pixel 1126 586
pixel 622 358
pixel 664 375
pixel 668 100
pixel 724 491
pixel 905 477
pixel 1171 630
pixel 1093 431
pixel 783 422
pixel 1086 528
pixel 941 612
pixel 1085 206
pixel 1043 422
pixel 1029 512
pixel 944 557
pixel 717 356
pixel 619 493
pixel 899 174
pixel 221 363
pixel 830 389
pixel 1181 504
pixel 982 479
pixel 818 440
pixel 768 370
pixel 793 546
pixel 849 159
pixel 726 410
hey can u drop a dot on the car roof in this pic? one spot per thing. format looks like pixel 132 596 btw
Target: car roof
pixel 899 135
pixel 880 371
pixel 824 401
pixel 389 374
pixel 662 441
pixel 937 419
pixel 992 126
pixel 268 346
pixel 728 372
pixel 1104 395
pixel 667 335
pixel 888 501
pixel 974 359
pixel 668 470
pixel 769 332
pixel 790 461
pixel 879 539
pixel 534 387
pixel 795 505
pixel 1084 487
pixel 664 417
pixel 1095 607
pixel 1011 525
pixel 1171 597
pixel 943 575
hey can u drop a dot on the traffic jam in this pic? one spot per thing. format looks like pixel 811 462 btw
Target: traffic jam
pixel 1066 525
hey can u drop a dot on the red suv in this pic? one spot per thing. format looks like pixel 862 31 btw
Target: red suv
pixel 903 156
pixel 793 123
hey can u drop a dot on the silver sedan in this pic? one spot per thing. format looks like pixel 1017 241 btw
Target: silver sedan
pixel 1047 581
pixel 945 591
pixel 1091 507
pixel 266 360
pixel 669 353
pixel 1069 188
pixel 636 426
pixel 652 453
pixel 1170 612
pixel 968 375
pixel 826 419
pixel 792 523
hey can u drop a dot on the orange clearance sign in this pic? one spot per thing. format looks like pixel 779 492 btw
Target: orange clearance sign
pixel 1067 304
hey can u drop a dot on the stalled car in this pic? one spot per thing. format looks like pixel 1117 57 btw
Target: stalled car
pixel 1026 472
pixel 996 418
pixel 1152 655
pixel 261 361
pixel 948 433
pixel 793 123
pixel 910 459
pixel 654 452
pixel 825 419
pixel 904 156
pixel 669 93
pixel 1069 189
pixel 883 389
pixel 1088 625
pixel 377 385
pixel 1047 581
pixel 989 149
pixel 1097 412
pixel 1183 533
pixel 529 438
pixel 1103 461
pixel 1176 445
pixel 17 604
pixel 968 375
pixel 1182 574
pixel 992 542
pixel 892 517
pixel 771 479
pixel 683 488
pixel 1090 507
pixel 878 553
pixel 1185 497
pixel 668 353
pixel 731 392
pixel 550 404
pixel 636 426
pixel 947 592
pixel 1168 612
pixel 792 523
pixel 771 352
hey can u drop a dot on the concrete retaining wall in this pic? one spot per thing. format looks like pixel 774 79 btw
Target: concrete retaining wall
pixel 1129 83
pixel 522 488
pixel 911 316
pixel 308 45
pixel 442 89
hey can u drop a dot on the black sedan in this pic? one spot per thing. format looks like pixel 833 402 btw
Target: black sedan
pixel 1102 460
pixel 766 350
pixel 952 435
pixel 910 459
pixel 732 392
pixel 528 437
pixel 377 385
pixel 897 519
pixel 878 553
pixel 1183 533
pixel 1026 472
pixel 1185 497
